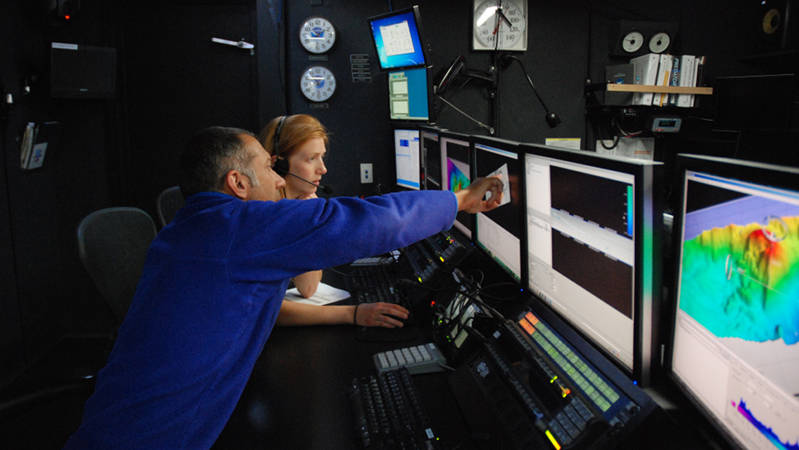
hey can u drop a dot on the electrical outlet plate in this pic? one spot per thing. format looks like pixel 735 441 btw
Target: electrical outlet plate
pixel 366 173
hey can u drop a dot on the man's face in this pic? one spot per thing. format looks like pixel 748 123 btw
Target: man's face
pixel 269 182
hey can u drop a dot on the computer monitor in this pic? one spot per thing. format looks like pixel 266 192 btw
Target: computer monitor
pixel 397 39
pixel 456 172
pixel 431 156
pixel 500 232
pixel 406 155
pixel 735 343
pixel 592 257
pixel 407 94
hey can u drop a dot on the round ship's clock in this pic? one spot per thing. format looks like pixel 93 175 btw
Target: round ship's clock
pixel 317 35
pixel 500 25
pixel 317 83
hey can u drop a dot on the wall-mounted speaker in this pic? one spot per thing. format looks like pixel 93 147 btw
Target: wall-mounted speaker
pixel 82 71
pixel 629 38
pixel 774 24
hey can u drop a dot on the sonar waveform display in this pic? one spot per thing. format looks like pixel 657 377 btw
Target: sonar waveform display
pixel 458 178
pixel 742 279
pixel 763 428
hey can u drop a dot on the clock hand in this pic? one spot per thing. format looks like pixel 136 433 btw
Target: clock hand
pixel 504 17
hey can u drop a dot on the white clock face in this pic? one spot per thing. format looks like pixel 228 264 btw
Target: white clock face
pixel 504 21
pixel 632 42
pixel 317 84
pixel 317 35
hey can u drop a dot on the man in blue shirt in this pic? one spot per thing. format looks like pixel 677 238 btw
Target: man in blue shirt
pixel 214 280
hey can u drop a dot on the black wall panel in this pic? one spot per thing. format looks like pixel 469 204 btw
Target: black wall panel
pixel 178 81
pixel 11 343
pixel 357 114
pixel 53 294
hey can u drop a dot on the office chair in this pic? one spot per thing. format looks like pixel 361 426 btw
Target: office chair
pixel 169 201
pixel 112 244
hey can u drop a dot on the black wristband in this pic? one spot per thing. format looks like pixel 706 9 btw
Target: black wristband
pixel 355 315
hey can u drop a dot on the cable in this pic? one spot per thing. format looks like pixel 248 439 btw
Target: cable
pixel 552 119
pixel 612 146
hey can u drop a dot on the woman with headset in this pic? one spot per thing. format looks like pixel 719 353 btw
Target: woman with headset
pixel 298 145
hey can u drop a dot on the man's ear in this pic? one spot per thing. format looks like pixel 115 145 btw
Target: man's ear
pixel 237 184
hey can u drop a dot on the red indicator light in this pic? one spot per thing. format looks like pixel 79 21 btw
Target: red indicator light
pixel 67 17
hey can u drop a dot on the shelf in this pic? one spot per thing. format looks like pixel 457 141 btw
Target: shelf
pixel 612 87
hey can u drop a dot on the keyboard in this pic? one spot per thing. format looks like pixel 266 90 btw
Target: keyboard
pixel 371 284
pixel 418 359
pixel 388 412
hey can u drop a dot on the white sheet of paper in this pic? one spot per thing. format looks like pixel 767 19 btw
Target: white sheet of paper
pixel 324 294
pixel 503 175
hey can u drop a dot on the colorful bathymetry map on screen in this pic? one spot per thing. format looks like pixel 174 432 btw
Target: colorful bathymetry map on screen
pixel 457 174
pixel 742 279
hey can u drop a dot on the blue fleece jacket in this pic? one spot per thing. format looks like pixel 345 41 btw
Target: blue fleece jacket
pixel 208 297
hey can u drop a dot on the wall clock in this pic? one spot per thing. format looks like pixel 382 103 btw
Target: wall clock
pixel 317 83
pixel 317 35
pixel 500 25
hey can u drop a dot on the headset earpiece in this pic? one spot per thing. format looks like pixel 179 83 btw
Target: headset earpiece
pixel 281 165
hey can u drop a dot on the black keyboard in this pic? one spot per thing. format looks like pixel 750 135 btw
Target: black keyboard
pixel 370 284
pixel 388 413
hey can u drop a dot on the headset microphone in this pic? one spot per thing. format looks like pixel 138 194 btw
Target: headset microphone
pixel 327 190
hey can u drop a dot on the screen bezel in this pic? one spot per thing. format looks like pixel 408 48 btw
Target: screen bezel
pixel 648 223
pixel 428 94
pixel 466 228
pixel 747 171
pixel 420 169
pixel 511 146
pixel 418 22
pixel 431 129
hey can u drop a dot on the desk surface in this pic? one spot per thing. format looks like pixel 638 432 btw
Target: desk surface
pixel 297 394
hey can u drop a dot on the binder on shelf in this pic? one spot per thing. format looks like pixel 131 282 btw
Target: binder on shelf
pixel 646 71
pixel 36 140
pixel 675 79
pixel 687 71
pixel 663 79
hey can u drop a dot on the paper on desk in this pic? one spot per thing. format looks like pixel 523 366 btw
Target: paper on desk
pixel 503 175
pixel 324 294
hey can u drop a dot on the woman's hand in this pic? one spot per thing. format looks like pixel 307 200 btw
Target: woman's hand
pixel 380 314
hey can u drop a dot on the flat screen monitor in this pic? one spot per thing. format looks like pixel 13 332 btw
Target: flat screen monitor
pixel 456 172
pixel 407 94
pixel 431 156
pixel 500 232
pixel 735 342
pixel 591 255
pixel 397 39
pixel 406 155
